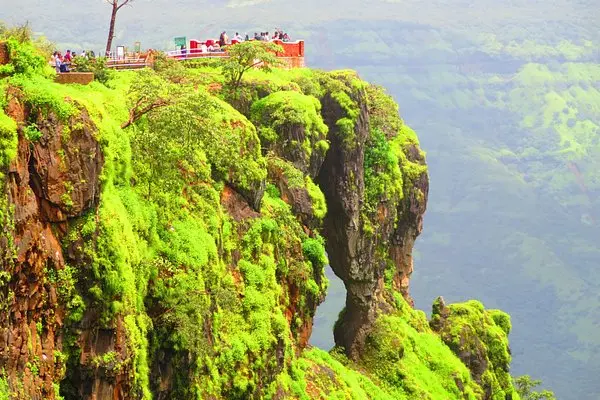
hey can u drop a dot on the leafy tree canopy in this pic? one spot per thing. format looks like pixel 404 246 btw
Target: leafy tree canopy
pixel 246 55
pixel 525 386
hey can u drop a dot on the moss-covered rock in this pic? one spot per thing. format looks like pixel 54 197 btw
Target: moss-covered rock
pixel 8 139
pixel 298 190
pixel 290 124
pixel 479 337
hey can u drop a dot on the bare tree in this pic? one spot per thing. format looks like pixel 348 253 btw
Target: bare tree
pixel 116 6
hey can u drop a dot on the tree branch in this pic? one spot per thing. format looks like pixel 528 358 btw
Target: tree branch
pixel 123 4
pixel 135 113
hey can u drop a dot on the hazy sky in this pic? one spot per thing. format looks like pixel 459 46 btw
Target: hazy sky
pixel 155 22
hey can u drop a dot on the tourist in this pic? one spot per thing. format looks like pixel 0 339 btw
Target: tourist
pixel 246 38
pixel 67 57
pixel 257 36
pixel 203 48
pixel 60 64
pixel 238 37
pixel 83 53
pixel 183 50
pixel 56 61
pixel 286 37
pixel 223 39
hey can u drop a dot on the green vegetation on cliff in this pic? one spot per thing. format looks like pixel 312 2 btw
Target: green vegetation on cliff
pixel 192 247
pixel 8 139
pixel 412 361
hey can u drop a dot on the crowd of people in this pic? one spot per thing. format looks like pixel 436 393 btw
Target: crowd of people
pixel 224 39
pixel 279 34
pixel 212 45
pixel 62 63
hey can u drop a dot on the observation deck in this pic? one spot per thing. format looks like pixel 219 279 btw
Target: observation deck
pixel 292 55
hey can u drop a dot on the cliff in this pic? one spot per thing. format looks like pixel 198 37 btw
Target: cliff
pixel 164 236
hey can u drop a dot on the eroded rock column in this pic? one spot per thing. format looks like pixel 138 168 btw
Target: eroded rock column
pixel 364 241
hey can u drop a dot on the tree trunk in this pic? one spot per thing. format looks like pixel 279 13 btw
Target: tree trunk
pixel 111 29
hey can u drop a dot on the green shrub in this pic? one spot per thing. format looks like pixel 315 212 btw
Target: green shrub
pixel 317 197
pixel 97 65
pixel 525 387
pixel 314 251
pixel 8 139
pixel 25 59
pixel 4 389
pixel 383 179
pixel 32 133
pixel 44 96
pixel 501 319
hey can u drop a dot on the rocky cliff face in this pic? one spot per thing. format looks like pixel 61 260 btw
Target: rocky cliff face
pixel 183 257
pixel 50 182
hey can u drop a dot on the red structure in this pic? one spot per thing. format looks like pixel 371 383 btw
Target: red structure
pixel 291 49
pixel 293 53
pixel 194 45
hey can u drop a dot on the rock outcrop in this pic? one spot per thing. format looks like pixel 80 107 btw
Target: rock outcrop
pixel 351 252
pixel 479 337
pixel 367 236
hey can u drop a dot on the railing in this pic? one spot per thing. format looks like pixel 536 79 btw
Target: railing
pixel 128 61
pixel 292 55
pixel 194 53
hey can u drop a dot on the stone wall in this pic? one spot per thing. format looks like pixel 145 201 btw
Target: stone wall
pixel 83 78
